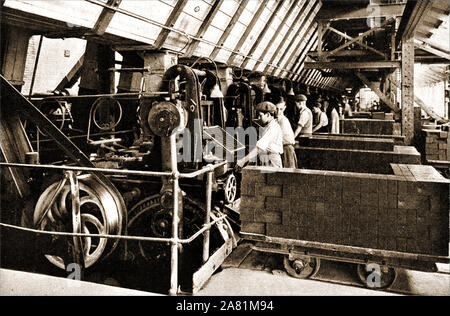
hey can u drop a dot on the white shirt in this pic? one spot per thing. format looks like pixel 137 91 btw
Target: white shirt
pixel 288 133
pixel 334 122
pixel 323 119
pixel 305 121
pixel 272 139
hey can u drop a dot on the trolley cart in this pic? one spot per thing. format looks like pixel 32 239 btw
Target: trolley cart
pixel 302 258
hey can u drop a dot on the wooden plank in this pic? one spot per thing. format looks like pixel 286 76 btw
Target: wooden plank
pixel 72 77
pixel 298 64
pixel 290 243
pixel 202 275
pixel 230 27
pixel 353 65
pixel 238 255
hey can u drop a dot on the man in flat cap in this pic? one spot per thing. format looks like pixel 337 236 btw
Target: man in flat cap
pixel 304 124
pixel 270 146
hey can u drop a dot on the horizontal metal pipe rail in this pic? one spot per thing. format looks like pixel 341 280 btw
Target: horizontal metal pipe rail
pixel 121 237
pixel 117 171
pixel 175 241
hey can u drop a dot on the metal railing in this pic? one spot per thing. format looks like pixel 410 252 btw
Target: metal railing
pixel 175 241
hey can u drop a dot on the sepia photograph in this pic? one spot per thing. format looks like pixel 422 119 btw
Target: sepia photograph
pixel 226 154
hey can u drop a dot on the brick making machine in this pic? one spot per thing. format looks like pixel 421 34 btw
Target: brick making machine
pixel 133 180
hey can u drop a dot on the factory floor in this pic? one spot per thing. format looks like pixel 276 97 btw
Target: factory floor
pixel 262 274
pixel 258 274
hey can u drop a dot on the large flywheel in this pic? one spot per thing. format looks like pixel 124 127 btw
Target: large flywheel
pixel 149 218
pixel 84 205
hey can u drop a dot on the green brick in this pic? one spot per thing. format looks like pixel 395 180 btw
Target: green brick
pixel 247 215
pixel 254 228
pixel 275 203
pixel 268 190
pixel 265 216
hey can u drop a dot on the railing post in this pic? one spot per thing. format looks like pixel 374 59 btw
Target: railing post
pixel 78 254
pixel 175 220
pixel 206 234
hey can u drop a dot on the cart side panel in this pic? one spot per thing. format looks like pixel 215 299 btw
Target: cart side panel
pixel 389 212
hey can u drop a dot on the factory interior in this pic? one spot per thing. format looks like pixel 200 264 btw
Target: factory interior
pixel 128 129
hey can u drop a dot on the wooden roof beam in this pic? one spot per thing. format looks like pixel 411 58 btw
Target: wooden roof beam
pixel 415 12
pixel 261 35
pixel 299 65
pixel 363 13
pixel 275 35
pixel 360 37
pixel 286 36
pixel 437 52
pixel 247 31
pixel 312 9
pixel 205 24
pixel 353 65
pixel 171 20
pixel 105 17
pixel 230 27
pixel 308 34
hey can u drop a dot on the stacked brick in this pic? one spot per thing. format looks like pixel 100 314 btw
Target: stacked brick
pixel 367 126
pixel 437 145
pixel 396 213
pixel 347 142
pixel 355 160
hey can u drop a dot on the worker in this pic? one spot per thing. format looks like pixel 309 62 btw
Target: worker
pixel 333 117
pixel 321 123
pixel 270 146
pixel 289 156
pixel 304 124
pixel 347 108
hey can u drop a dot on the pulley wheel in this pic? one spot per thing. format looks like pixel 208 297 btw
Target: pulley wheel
pixel 302 268
pixel 375 276
pixel 164 118
pixel 99 212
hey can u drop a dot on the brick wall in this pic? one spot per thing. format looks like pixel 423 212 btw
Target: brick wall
pixel 53 64
pixel 386 212
pixel 354 160
pixel 437 145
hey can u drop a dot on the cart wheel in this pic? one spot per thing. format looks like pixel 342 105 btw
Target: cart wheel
pixel 303 268
pixel 375 276
pixel 230 188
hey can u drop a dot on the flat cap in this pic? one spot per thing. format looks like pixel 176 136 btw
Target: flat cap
pixel 301 97
pixel 266 106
